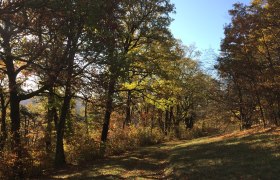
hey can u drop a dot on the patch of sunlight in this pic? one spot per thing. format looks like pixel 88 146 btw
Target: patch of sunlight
pixel 254 141
pixel 232 143
pixel 267 145
pixel 277 155
pixel 66 176
pixel 195 142
pixel 169 170
pixel 111 171
pixel 134 158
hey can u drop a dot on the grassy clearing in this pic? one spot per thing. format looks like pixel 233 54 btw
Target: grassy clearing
pixel 253 154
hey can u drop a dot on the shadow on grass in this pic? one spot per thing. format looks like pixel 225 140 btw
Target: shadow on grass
pixel 251 157
pixel 147 163
pixel 254 156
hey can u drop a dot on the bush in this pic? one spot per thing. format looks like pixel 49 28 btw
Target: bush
pixel 148 137
pixel 132 137
pixel 81 146
pixel 7 160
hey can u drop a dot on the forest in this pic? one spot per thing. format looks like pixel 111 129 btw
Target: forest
pixel 82 81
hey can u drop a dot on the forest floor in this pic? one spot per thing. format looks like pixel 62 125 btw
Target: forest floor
pixel 251 154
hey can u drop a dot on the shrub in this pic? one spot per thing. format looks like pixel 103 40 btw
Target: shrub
pixel 82 146
pixel 149 137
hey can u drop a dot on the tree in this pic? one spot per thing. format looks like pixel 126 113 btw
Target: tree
pixel 21 51
pixel 140 23
pixel 78 39
pixel 249 59
pixel 4 102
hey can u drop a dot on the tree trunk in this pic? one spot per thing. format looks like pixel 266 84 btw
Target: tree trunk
pixel 171 116
pixel 50 118
pixel 3 122
pixel 86 116
pixel 177 122
pixel 15 131
pixel 69 58
pixel 59 154
pixel 108 111
pixel 109 108
pixel 160 122
pixel 152 119
pixel 16 146
pixel 166 124
pixel 262 112
pixel 241 104
pixel 127 120
pixel 60 127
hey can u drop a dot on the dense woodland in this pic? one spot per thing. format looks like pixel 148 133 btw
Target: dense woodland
pixel 84 79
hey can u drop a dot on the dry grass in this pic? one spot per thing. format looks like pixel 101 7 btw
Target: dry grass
pixel 251 154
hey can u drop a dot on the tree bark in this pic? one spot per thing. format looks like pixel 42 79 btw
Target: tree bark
pixel 59 154
pixel 166 123
pixel 127 120
pixel 160 122
pixel 50 118
pixel 152 119
pixel 171 116
pixel 69 57
pixel 109 109
pixel 86 116
pixel 177 122
pixel 14 116
pixel 15 128
pixel 3 122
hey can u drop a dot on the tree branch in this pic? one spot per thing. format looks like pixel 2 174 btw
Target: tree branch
pixel 34 93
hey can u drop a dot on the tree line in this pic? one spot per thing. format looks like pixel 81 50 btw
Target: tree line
pixel 117 58
pixel 249 63
pixel 82 79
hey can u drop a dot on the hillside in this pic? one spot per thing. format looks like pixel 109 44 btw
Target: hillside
pixel 251 154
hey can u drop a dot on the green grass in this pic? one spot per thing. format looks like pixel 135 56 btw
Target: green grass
pixel 248 155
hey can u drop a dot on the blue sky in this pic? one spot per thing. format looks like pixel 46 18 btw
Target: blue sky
pixel 201 21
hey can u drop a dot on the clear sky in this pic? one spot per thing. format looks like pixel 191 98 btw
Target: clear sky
pixel 201 21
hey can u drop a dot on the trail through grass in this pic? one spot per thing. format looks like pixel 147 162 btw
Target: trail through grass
pixel 253 154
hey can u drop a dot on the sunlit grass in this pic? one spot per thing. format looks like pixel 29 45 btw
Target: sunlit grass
pixel 242 155
pixel 252 154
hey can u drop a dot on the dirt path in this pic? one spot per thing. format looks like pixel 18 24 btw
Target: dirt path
pixel 146 163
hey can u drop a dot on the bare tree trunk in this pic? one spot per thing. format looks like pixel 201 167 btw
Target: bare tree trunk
pixel 166 123
pixel 69 57
pixel 15 119
pixel 177 122
pixel 152 119
pixel 171 116
pixel 50 118
pixel 4 133
pixel 15 132
pixel 108 110
pixel 261 110
pixel 86 116
pixel 107 116
pixel 60 127
pixel 59 154
pixel 160 122
pixel 127 120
